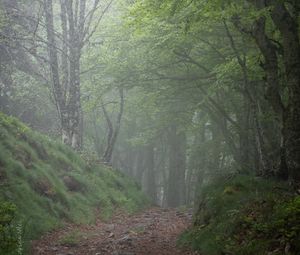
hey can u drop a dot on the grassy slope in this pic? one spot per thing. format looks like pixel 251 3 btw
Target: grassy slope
pixel 49 183
pixel 246 215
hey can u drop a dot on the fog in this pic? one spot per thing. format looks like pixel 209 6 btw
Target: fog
pixel 174 94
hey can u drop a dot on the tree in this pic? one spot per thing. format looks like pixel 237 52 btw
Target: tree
pixel 77 27
pixel 112 131
pixel 177 167
pixel 287 24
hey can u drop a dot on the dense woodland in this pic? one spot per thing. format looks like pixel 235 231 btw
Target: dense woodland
pixel 176 94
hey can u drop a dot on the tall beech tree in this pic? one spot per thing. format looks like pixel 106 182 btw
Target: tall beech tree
pixel 287 23
pixel 77 26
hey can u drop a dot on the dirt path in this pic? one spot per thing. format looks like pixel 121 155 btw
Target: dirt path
pixel 152 232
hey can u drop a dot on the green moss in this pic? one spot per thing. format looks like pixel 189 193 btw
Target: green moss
pixel 32 172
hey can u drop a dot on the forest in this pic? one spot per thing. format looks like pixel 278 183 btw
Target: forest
pixel 159 127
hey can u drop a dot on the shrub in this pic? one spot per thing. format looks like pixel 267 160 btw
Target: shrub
pixel 10 232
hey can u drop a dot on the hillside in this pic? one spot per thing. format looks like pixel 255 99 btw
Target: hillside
pixel 44 183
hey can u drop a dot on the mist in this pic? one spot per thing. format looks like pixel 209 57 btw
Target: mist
pixel 180 112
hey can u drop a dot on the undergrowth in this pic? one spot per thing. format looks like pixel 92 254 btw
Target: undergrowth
pixel 47 184
pixel 246 215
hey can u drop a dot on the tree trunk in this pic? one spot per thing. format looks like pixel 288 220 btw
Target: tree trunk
pixel 288 27
pixel 289 115
pixel 140 166
pixel 177 167
pixel 251 105
pixel 150 173
pixel 66 91
pixel 74 104
pixel 113 132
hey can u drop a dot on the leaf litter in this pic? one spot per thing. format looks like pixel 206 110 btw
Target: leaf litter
pixel 153 232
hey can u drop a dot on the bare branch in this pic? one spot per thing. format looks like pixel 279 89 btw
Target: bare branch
pixel 88 35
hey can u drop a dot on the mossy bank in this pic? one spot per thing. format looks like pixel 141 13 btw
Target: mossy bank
pixel 44 183
pixel 246 215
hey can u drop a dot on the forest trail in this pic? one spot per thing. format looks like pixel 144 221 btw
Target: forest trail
pixel 151 232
